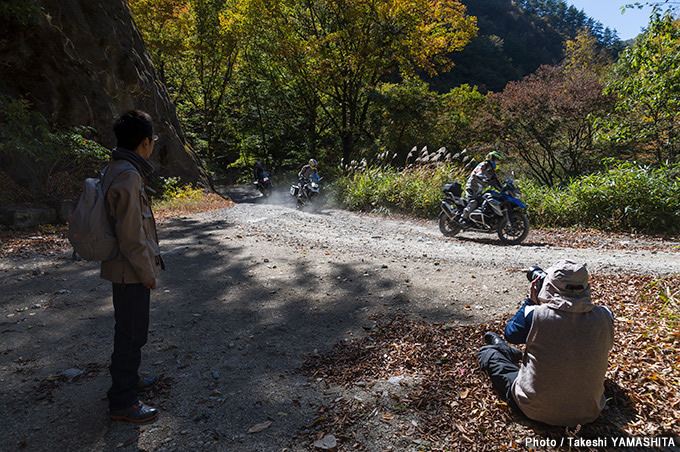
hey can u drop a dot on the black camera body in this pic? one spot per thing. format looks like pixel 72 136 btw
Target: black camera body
pixel 534 272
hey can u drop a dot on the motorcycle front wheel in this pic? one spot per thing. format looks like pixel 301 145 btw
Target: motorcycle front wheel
pixel 447 226
pixel 515 229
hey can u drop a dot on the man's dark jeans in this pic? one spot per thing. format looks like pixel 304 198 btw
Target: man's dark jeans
pixel 501 362
pixel 131 311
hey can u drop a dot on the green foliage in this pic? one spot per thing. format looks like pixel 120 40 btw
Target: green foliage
pixel 17 12
pixel 415 190
pixel 335 52
pixel 165 187
pixel 28 139
pixel 408 114
pixel 403 115
pixel 195 46
pixel 627 197
pixel 647 81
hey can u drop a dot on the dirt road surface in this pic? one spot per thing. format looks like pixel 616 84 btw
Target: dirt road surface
pixel 249 293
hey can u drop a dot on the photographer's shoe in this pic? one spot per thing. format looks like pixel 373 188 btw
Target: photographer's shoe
pixel 136 413
pixel 492 338
pixel 146 383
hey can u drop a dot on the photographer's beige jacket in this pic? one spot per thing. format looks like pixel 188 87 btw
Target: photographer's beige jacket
pixel 561 379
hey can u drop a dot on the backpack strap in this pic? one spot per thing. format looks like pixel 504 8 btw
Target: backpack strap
pixel 105 187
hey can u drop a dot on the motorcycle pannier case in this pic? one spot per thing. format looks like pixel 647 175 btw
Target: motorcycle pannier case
pixel 294 190
pixel 454 188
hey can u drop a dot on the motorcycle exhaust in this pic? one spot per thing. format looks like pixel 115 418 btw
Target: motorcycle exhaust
pixel 447 210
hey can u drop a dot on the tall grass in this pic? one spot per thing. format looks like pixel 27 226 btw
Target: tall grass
pixel 628 198
pixel 415 190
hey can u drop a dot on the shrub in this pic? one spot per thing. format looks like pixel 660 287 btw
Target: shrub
pixel 187 199
pixel 628 197
pixel 165 187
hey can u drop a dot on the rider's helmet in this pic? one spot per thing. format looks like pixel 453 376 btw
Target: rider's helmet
pixel 312 163
pixel 258 164
pixel 493 155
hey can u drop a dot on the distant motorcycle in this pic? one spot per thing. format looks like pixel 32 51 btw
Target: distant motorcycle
pixel 498 212
pixel 306 192
pixel 265 185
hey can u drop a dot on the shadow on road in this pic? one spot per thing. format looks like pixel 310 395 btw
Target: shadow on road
pixel 230 325
pixel 489 239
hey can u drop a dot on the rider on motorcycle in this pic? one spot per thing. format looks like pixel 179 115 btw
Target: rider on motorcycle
pixel 259 172
pixel 308 173
pixel 482 176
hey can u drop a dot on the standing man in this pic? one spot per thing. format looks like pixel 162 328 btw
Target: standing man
pixel 560 378
pixel 483 175
pixel 135 269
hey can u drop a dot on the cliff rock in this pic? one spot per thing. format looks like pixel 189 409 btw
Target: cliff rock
pixel 83 62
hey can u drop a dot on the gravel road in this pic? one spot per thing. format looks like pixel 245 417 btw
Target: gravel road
pixel 249 293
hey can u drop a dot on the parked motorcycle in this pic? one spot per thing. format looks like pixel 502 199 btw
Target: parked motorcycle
pixel 305 193
pixel 498 212
pixel 264 186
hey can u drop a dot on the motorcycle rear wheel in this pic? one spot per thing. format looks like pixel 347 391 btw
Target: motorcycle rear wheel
pixel 447 226
pixel 514 231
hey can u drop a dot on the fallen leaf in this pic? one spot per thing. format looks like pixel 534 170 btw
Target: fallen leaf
pixel 327 442
pixel 257 428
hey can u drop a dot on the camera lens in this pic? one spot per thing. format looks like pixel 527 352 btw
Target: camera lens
pixel 535 272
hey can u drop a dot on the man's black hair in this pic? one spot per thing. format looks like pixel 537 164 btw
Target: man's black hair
pixel 131 128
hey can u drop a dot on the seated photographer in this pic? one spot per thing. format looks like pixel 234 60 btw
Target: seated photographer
pixel 560 380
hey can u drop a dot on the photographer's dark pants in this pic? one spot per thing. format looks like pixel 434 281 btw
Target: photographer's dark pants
pixel 131 311
pixel 501 362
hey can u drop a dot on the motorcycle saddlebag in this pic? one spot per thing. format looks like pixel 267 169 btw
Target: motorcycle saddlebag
pixel 454 188
pixel 294 190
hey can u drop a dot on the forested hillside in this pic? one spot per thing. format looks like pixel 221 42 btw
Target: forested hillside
pixel 515 38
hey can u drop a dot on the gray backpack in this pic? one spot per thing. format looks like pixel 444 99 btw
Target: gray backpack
pixel 90 229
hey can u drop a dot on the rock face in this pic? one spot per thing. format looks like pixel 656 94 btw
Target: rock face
pixel 83 62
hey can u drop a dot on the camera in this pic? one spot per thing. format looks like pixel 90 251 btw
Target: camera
pixel 534 272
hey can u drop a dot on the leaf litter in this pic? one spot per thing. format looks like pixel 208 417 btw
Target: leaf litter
pixel 454 407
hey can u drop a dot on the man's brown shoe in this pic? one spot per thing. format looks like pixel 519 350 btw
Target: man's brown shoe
pixel 136 413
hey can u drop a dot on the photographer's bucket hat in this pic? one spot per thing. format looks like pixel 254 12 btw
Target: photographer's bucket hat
pixel 566 283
